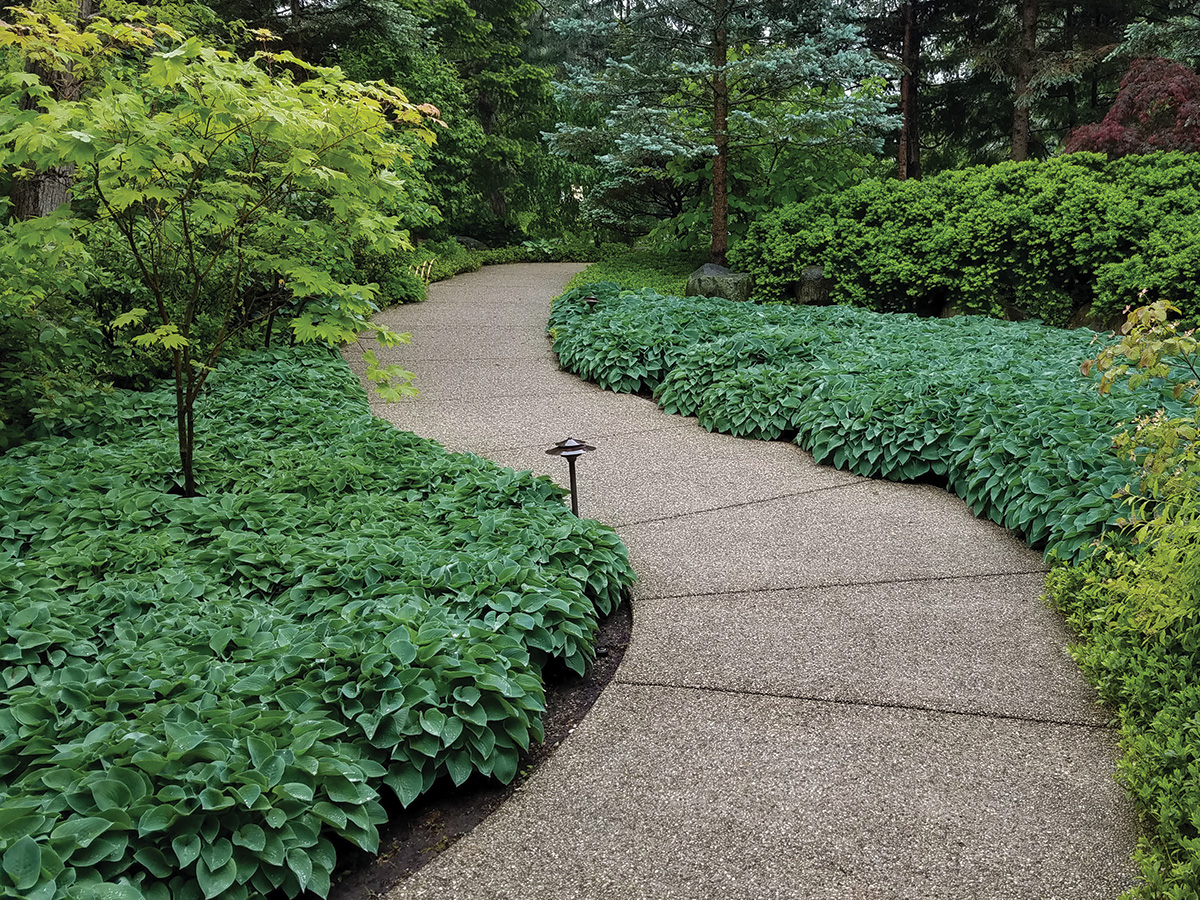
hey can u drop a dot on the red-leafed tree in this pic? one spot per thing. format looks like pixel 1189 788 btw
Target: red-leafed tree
pixel 1157 108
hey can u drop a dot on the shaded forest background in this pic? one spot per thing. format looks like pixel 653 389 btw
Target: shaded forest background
pixel 967 84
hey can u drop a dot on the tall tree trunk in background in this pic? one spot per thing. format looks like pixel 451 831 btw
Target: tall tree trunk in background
pixel 1020 129
pixel 487 112
pixel 41 192
pixel 908 156
pixel 720 172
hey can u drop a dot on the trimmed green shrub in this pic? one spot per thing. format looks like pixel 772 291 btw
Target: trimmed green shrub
pixel 394 271
pixel 449 257
pixel 1048 240
pixel 999 410
pixel 201 694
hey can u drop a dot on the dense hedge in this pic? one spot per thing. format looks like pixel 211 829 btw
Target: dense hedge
pixel 201 694
pixel 1000 410
pixel 1039 239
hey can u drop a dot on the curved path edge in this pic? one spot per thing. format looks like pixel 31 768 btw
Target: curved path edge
pixel 836 687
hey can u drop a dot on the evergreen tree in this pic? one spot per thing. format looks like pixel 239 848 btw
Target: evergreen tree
pixel 516 180
pixel 1168 28
pixel 986 82
pixel 684 84
pixel 492 175
pixel 317 30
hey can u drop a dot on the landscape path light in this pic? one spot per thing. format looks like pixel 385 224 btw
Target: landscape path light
pixel 570 450
pixel 590 303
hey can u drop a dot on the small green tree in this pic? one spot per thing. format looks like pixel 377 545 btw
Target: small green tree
pixel 224 192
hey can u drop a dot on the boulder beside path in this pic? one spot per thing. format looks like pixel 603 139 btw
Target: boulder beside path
pixel 711 280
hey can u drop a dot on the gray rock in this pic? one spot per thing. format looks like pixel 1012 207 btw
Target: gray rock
pixel 471 243
pixel 711 280
pixel 813 287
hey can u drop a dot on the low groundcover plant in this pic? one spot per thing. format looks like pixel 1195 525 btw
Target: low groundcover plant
pixel 202 695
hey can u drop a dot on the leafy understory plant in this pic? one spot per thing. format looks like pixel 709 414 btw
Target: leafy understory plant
pixel 225 192
pixel 999 410
pixel 203 696
pixel 1152 346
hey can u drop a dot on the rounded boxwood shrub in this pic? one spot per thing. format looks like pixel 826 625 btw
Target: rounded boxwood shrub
pixel 1063 240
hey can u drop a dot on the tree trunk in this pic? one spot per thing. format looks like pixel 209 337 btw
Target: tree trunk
pixel 185 402
pixel 720 171
pixel 40 193
pixel 908 157
pixel 1020 130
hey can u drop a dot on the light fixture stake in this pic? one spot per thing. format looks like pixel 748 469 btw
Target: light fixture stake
pixel 570 450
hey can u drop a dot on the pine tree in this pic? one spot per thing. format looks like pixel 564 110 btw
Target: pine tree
pixel 1168 28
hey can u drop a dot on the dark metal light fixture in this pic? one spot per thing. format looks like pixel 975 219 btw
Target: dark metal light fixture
pixel 569 450
pixel 591 303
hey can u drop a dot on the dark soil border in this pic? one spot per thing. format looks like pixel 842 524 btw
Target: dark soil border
pixel 413 837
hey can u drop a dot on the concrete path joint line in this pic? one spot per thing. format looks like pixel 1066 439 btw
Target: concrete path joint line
pixel 818 585
pixel 757 502
pixel 869 704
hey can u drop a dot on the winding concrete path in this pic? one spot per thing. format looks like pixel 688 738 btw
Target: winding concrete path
pixel 837 687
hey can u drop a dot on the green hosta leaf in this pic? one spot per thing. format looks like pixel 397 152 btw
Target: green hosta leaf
pixel 112 892
pixel 433 721
pixel 212 799
pixel 80 831
pixel 459 765
pixel 408 783
pixel 260 750
pixel 215 881
pixel 451 730
pixel 216 854
pixel 295 790
pixel 301 866
pixel 504 765
pixel 187 848
pixel 330 814
pixel 16 823
pixel 157 819
pixel 248 794
pixel 155 862
pixel 111 794
pixel 250 836
pixel 476 715
pixel 22 862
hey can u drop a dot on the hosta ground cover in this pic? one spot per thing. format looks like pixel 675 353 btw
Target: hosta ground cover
pixel 203 696
pixel 999 410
